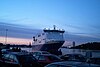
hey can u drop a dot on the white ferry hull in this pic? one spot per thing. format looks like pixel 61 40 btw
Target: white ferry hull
pixel 48 46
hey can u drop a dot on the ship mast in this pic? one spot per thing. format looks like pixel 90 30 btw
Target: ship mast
pixel 54 27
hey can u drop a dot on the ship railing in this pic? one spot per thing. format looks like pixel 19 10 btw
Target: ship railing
pixel 53 40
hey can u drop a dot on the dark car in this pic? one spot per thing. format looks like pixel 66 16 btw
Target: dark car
pixel 19 59
pixel 94 60
pixel 5 51
pixel 71 64
pixel 73 57
pixel 45 59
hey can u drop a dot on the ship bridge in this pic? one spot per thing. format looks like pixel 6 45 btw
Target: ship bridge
pixel 54 30
pixel 54 34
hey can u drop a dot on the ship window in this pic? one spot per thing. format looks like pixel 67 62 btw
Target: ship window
pixel 39 41
pixel 39 35
pixel 42 33
pixel 43 39
pixel 61 34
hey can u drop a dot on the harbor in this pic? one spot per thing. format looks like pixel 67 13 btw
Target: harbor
pixel 49 33
pixel 46 48
pixel 80 54
pixel 95 53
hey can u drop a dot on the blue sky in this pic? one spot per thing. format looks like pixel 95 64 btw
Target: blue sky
pixel 77 17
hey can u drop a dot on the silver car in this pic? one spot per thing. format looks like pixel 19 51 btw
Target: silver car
pixel 71 64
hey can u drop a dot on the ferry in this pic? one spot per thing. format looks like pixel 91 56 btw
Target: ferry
pixel 49 40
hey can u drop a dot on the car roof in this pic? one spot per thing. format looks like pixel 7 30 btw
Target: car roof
pixel 47 55
pixel 40 51
pixel 50 55
pixel 18 53
pixel 5 50
pixel 73 63
pixel 73 54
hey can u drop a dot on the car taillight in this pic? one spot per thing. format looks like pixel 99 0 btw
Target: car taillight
pixel 19 65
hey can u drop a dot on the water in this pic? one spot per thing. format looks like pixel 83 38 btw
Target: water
pixel 27 49
pixel 95 53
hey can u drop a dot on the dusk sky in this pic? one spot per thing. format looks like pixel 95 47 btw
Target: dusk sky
pixel 25 18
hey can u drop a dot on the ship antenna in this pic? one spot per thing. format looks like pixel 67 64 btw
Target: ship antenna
pixel 54 27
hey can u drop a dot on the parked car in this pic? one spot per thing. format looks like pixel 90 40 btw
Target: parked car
pixel 45 59
pixel 36 53
pixel 5 51
pixel 73 57
pixel 19 59
pixel 71 64
pixel 94 60
pixel 13 50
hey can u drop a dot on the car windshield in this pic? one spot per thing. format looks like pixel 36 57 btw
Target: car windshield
pixel 26 59
pixel 54 58
pixel 45 53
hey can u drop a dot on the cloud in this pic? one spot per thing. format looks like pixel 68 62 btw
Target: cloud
pixel 79 39
pixel 19 31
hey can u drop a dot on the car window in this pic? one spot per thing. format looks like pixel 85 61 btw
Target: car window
pixel 34 53
pixel 38 53
pixel 52 65
pixel 45 53
pixel 41 58
pixel 37 57
pixel 26 59
pixel 53 58
pixel 13 58
pixel 6 55
pixel 82 57
pixel 77 57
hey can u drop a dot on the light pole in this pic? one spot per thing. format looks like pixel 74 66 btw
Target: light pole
pixel 6 37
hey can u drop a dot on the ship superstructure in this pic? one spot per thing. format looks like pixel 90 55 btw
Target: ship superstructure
pixel 50 39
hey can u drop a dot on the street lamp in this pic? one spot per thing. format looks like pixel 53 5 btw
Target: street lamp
pixel 6 37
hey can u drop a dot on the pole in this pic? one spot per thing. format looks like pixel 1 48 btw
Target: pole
pixel 6 37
